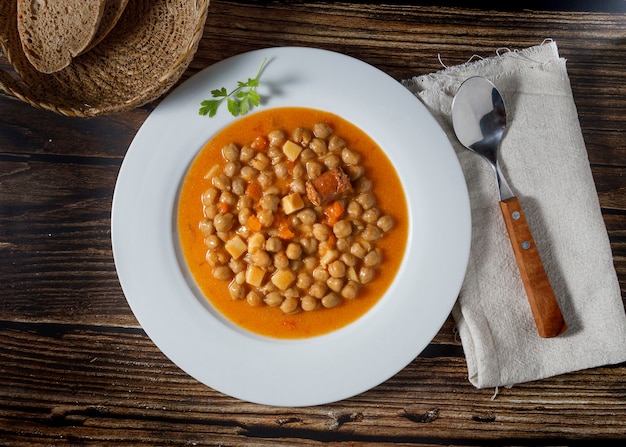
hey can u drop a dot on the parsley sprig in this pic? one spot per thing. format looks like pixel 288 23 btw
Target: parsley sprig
pixel 239 100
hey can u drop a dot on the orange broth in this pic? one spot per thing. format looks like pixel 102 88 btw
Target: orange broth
pixel 272 322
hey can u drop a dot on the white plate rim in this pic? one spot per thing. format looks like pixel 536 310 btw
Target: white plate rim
pixel 323 369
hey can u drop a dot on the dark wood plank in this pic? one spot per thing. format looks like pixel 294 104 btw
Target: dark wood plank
pixel 75 367
pixel 106 386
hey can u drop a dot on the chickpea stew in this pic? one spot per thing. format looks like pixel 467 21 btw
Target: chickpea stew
pixel 292 222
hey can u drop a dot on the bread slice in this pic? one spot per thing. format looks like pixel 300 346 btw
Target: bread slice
pixel 53 32
pixel 113 10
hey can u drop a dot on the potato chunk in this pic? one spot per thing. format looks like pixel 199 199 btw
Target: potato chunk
pixel 291 150
pixel 236 247
pixel 255 275
pixel 283 278
pixel 292 203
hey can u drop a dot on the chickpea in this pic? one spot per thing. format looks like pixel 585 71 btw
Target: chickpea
pixel 358 250
pixel 366 200
pixel 232 168
pixel 354 210
pixel 343 243
pixel 244 215
pixel 342 229
pixel 322 130
pixel 318 146
pixel 212 242
pixel 372 259
pixel 244 202
pixel 256 242
pixel 276 138
pixel 240 278
pixel 273 299
pixel 281 261
pixel 210 196
pixel 269 202
pixel 266 178
pixel 237 265
pixel 237 291
pixel 222 272
pixel 238 186
pixel 354 171
pixel 298 185
pixel 304 280
pixel 329 256
pixel 307 216
pixel 348 259
pixel 320 273
pixel 282 170
pixel 314 169
pixel 266 217
pixel 224 222
pixel 221 182
pixel 294 250
pixel 302 136
pixel 290 305
pixel 371 233
pixel 261 259
pixel 210 211
pixel 336 143
pixel 385 223
pixel 254 299
pixel 309 303
pixel 248 173
pixel 350 157
pixel 337 269
pixel 228 198
pixel 335 284
pixel 246 153
pixel 230 152
pixel 298 171
pixel 331 300
pixel 307 154
pixel 318 289
pixel 363 185
pixel 371 215
pixel 332 161
pixel 320 231
pixel 206 226
pixel 350 290
pixel 260 162
pixel 276 154
pixel 273 244
pixel 309 245
pixel 366 274
pixel 310 262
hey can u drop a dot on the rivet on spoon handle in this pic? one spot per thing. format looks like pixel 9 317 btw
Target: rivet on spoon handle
pixel 543 302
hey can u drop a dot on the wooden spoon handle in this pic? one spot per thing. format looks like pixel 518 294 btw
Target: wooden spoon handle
pixel 543 303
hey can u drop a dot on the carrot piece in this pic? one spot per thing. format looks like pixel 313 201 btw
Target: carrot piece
pixel 253 223
pixel 254 190
pixel 333 213
pixel 284 231
pixel 223 207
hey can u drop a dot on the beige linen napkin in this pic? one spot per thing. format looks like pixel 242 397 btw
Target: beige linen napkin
pixel 544 158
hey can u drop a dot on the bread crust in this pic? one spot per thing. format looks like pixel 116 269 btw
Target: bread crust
pixel 53 32
pixel 113 10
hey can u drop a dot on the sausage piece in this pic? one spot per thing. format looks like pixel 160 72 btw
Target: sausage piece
pixel 331 185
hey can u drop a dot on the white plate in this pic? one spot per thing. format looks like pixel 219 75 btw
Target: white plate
pixel 292 372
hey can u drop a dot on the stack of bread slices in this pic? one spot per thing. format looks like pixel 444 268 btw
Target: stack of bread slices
pixel 54 32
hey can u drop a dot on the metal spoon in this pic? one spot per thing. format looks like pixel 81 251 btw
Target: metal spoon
pixel 479 120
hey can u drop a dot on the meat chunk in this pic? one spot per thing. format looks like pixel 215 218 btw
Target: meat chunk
pixel 331 185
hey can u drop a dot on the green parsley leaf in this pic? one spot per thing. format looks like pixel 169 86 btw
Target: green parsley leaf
pixel 238 101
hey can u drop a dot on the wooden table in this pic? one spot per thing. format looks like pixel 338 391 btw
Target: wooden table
pixel 77 369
